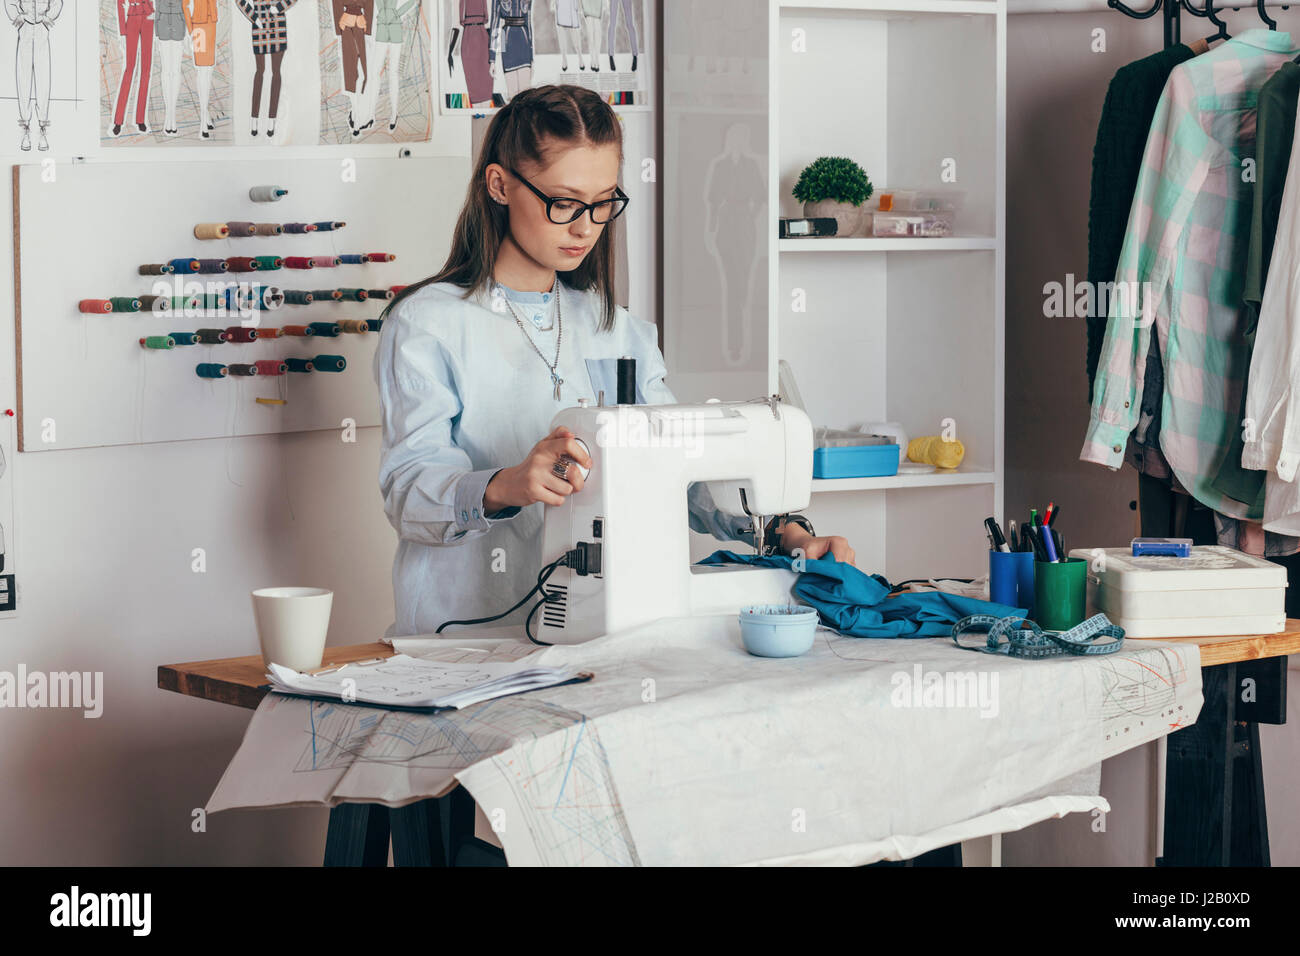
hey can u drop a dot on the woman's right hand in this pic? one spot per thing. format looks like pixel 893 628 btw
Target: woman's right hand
pixel 533 480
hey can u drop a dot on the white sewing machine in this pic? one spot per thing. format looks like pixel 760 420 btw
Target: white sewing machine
pixel 630 519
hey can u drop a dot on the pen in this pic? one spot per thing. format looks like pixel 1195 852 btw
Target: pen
pixel 995 535
pixel 1049 545
pixel 1060 543
pixel 1011 534
pixel 1051 522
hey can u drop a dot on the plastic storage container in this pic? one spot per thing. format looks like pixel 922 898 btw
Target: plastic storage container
pixel 846 454
pixel 1215 591
pixel 919 224
pixel 778 630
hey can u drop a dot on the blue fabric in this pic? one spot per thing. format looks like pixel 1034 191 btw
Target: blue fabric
pixel 854 602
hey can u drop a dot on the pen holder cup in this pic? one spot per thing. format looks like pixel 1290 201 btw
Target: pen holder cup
pixel 1060 591
pixel 1011 579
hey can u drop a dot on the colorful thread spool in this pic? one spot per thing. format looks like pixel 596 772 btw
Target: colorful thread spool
pixel 353 295
pixel 272 298
pixel 185 338
pixel 380 257
pixel 298 228
pixel 354 326
pixel 184 266
pixel 298 262
pixel 211 336
pixel 376 325
pixel 328 295
pixel 211 300
pixel 156 269
pixel 380 293
pixel 353 259
pixel 298 365
pixel 298 297
pixel 153 303
pixel 268 262
pixel 183 302
pixel 210 370
pixel 300 330
pixel 270 367
pixel 267 229
pixel 209 266
pixel 212 230
pixel 329 226
pixel 241 264
pixel 328 329
pixel 325 262
pixel 241 333
pixel 95 306
pixel 242 369
pixel 158 342
pixel 269 332
pixel 242 228
pixel 125 303
pixel 329 363
pixel 267 193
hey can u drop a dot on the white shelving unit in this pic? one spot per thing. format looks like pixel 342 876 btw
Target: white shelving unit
pixel 896 329
pixel 892 329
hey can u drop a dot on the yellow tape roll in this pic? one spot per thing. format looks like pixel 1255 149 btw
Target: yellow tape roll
pixel 933 450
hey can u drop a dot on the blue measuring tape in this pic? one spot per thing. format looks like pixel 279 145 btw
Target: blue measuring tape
pixel 1024 638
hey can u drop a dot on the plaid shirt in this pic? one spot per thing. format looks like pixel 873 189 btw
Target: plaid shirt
pixel 1183 261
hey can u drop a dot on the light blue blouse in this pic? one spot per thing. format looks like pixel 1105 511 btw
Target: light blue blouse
pixel 462 395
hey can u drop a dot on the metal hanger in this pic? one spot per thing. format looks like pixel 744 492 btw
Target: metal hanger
pixel 1208 13
pixel 1263 15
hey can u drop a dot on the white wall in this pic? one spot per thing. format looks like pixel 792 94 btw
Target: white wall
pixel 102 549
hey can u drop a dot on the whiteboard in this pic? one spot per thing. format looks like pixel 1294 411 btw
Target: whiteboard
pixel 84 380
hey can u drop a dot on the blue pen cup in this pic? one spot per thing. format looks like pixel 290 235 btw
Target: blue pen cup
pixel 1011 579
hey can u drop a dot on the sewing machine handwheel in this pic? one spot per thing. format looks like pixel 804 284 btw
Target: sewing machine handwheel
pixel 585 471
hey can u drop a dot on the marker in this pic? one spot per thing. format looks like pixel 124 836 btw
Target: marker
pixel 995 535
pixel 1011 534
pixel 1049 545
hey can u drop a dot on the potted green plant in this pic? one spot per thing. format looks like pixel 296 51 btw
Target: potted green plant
pixel 834 187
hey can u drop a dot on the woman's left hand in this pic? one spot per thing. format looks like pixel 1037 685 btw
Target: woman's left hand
pixel 795 536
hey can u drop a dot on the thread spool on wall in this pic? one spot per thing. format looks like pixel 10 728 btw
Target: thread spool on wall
pixel 124 303
pixel 298 297
pixel 353 259
pixel 267 229
pixel 211 370
pixel 153 303
pixel 241 264
pixel 380 293
pixel 212 230
pixel 211 336
pixel 327 295
pixel 268 332
pixel 156 269
pixel 184 266
pixel 270 367
pixel 381 257
pixel 298 228
pixel 185 338
pixel 298 262
pixel 299 330
pixel 328 226
pixel 269 262
pixel 242 370
pixel 299 365
pixel 158 342
pixel 95 306
pixel 242 228
pixel 353 295
pixel 354 326
pixel 267 193
pixel 329 363
pixel 240 334
pixel 327 329
pixel 326 262
pixel 209 266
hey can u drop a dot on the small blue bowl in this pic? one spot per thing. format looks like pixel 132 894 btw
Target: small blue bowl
pixel 778 630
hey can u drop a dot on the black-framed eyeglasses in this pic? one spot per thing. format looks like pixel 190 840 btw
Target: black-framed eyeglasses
pixel 562 210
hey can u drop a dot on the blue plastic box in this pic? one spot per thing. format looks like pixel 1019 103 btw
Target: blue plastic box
pixel 855 461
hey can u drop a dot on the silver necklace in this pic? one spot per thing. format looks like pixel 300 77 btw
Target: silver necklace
pixel 559 337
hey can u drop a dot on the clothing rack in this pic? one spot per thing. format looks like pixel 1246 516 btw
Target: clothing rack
pixel 1170 11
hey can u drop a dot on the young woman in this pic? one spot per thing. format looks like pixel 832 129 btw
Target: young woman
pixel 474 362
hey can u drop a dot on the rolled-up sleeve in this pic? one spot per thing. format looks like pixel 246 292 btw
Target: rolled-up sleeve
pixel 432 492
pixel 704 515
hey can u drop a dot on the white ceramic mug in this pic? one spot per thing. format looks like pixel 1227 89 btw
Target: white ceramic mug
pixel 292 624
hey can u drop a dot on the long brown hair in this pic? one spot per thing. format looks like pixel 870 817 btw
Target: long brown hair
pixel 519 132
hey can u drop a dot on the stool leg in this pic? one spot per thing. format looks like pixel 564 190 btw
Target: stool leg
pixel 357 835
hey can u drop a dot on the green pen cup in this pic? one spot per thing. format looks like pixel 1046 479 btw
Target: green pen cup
pixel 1060 593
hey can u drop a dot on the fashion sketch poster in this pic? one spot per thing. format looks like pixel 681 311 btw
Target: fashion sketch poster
pixel 165 72
pixel 489 50
pixel 375 82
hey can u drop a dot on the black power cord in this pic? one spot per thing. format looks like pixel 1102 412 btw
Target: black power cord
pixel 548 597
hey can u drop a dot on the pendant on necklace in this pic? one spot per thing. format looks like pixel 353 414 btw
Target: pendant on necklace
pixel 557 381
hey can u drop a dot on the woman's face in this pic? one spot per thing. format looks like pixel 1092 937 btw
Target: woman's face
pixel 587 173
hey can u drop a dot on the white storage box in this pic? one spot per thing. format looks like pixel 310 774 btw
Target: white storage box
pixel 1215 591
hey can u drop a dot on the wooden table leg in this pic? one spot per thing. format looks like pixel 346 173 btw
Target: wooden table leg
pixel 357 835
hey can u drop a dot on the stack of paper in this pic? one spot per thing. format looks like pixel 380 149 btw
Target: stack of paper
pixel 403 681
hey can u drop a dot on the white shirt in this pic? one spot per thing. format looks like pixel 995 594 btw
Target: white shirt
pixel 1271 428
pixel 462 395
